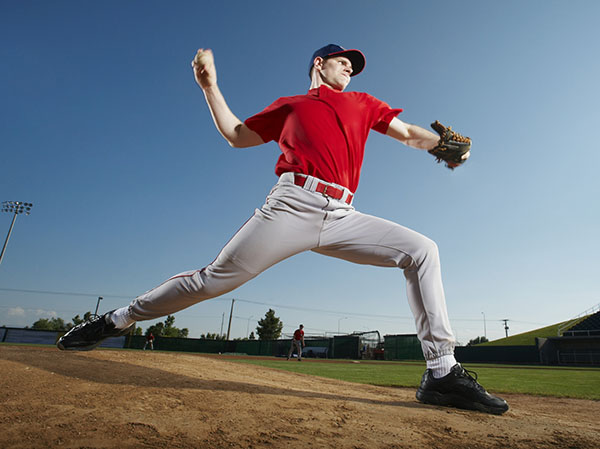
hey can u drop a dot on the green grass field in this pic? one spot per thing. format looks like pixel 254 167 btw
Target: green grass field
pixel 582 383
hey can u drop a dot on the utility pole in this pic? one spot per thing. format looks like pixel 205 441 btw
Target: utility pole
pixel 505 326
pixel 222 321
pixel 230 316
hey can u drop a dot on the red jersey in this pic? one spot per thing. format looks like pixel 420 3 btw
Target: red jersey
pixel 323 133
pixel 298 334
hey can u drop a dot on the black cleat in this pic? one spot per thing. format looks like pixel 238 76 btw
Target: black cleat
pixel 89 334
pixel 459 389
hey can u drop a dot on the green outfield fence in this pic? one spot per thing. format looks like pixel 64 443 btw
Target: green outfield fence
pixel 550 351
pixel 397 347
pixel 339 346
pixel 402 347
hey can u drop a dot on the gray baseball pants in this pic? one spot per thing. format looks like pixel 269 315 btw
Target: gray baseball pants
pixel 298 345
pixel 295 219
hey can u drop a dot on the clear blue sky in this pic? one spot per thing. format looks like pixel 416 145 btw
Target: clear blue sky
pixel 103 128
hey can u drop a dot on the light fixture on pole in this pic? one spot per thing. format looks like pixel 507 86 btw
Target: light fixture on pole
pixel 484 329
pixel 100 298
pixel 343 318
pixel 248 325
pixel 14 207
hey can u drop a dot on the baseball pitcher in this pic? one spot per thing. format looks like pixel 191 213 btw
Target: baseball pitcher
pixel 322 136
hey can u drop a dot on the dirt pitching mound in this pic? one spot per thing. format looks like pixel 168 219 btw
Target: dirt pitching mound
pixel 136 399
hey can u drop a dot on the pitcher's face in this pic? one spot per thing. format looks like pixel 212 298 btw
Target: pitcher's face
pixel 335 72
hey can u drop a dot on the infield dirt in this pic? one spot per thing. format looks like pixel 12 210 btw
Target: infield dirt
pixel 139 399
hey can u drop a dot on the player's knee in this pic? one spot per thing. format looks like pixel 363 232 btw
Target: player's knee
pixel 218 279
pixel 428 249
pixel 431 247
pixel 425 252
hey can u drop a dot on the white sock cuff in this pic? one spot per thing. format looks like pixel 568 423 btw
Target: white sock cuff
pixel 442 365
pixel 121 318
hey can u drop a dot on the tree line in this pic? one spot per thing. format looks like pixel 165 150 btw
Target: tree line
pixel 269 327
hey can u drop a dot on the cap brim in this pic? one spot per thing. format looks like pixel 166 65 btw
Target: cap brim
pixel 356 58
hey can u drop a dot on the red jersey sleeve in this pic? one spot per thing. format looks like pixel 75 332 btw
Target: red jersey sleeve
pixel 269 123
pixel 382 114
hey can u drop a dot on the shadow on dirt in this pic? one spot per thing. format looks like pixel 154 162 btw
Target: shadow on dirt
pixel 77 365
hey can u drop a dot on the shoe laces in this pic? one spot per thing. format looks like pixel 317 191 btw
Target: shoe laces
pixel 93 319
pixel 472 376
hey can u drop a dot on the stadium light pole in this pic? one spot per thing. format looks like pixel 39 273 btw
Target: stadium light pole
pixel 484 329
pixel 248 325
pixel 100 298
pixel 15 207
pixel 343 318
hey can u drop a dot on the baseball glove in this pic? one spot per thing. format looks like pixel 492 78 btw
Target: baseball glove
pixel 451 147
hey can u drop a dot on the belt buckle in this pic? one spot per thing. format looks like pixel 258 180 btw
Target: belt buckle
pixel 324 192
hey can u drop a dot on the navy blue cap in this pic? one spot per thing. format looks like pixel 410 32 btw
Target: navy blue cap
pixel 328 51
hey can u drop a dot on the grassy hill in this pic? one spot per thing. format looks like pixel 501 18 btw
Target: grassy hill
pixel 527 338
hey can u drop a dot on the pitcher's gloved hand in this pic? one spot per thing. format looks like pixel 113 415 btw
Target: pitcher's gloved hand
pixel 452 148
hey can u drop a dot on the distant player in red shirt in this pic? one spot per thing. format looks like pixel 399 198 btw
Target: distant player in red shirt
pixel 297 342
pixel 149 341
pixel 322 136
